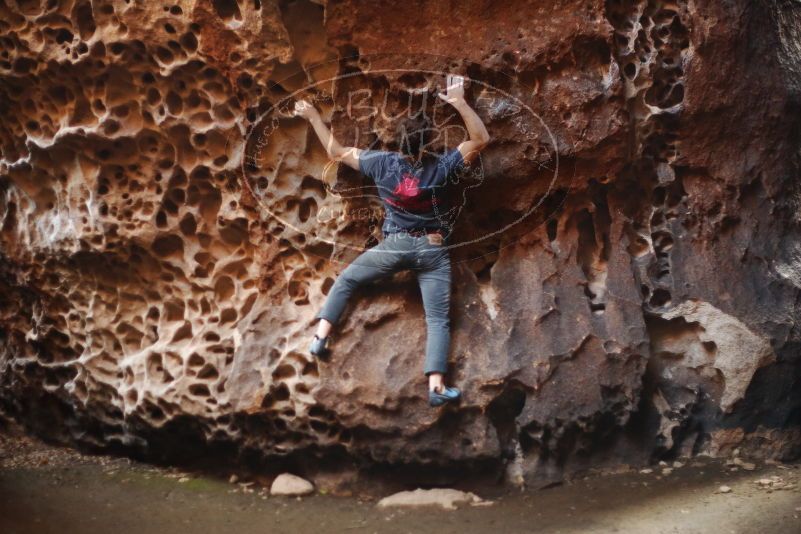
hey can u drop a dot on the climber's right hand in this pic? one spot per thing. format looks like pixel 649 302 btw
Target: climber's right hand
pixel 454 90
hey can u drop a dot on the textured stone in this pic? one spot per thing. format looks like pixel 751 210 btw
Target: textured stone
pixel 722 342
pixel 446 498
pixel 154 302
pixel 287 484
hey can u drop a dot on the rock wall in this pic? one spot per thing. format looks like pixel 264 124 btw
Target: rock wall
pixel 155 301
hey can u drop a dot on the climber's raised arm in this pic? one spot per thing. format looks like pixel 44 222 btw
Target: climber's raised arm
pixel 348 155
pixel 478 137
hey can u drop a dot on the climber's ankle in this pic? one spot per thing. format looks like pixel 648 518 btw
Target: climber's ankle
pixel 435 382
pixel 323 329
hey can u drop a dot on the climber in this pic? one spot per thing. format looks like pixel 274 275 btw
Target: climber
pixel 415 227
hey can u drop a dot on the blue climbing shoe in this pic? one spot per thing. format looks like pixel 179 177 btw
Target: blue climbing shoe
pixel 447 395
pixel 317 346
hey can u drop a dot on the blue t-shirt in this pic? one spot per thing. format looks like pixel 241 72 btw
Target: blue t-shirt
pixel 415 196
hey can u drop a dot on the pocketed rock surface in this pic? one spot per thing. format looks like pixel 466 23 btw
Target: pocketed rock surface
pixel 161 264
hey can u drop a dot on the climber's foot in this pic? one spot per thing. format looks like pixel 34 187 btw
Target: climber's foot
pixel 318 348
pixel 445 394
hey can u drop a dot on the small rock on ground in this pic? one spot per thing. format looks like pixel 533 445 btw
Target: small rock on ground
pixel 290 485
pixel 445 497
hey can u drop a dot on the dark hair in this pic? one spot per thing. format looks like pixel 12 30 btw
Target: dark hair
pixel 412 134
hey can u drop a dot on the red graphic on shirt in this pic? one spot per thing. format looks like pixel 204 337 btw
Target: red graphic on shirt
pixel 408 196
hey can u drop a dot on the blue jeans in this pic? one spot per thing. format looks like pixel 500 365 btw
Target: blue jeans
pixel 397 252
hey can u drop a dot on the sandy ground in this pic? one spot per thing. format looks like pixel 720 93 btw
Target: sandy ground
pixel 47 489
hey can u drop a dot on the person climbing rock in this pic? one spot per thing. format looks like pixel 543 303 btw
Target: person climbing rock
pixel 413 188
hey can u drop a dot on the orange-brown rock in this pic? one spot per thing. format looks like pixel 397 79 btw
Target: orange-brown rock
pixel 166 237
